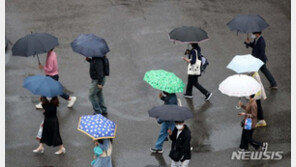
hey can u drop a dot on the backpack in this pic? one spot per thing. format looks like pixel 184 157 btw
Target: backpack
pixel 204 63
pixel 106 66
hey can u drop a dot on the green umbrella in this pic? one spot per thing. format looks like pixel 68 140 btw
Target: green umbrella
pixel 164 80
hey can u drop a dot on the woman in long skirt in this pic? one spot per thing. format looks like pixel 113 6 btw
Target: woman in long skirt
pixel 51 133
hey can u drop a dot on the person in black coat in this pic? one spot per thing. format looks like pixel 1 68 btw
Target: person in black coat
pixel 51 132
pixel 258 51
pixel 180 150
pixel 97 72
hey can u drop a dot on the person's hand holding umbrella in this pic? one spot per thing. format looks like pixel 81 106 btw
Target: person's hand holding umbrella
pixel 170 132
pixel 41 66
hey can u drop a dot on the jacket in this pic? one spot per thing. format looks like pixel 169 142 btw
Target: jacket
pixel 182 143
pixel 96 69
pixel 251 112
pixel 258 50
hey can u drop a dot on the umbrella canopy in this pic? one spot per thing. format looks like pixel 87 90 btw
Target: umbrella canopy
pixel 90 45
pixel 247 23
pixel 188 34
pixel 164 80
pixel 239 86
pixel 97 126
pixel 35 43
pixel 170 113
pixel 43 86
pixel 245 64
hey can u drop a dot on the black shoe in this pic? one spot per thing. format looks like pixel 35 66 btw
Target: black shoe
pixel 154 150
pixel 166 139
pixel 273 87
pixel 105 114
pixel 208 96
pixel 188 96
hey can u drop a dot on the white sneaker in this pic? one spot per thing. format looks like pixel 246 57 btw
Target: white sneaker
pixel 38 106
pixel 72 101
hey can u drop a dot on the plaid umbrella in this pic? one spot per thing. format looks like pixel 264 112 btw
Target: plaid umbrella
pixel 164 80
pixel 97 126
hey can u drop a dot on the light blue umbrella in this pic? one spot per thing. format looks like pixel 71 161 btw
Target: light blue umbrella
pixel 89 45
pixel 245 64
pixel 97 126
pixel 43 86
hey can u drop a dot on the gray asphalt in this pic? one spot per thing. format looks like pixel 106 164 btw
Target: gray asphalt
pixel 137 34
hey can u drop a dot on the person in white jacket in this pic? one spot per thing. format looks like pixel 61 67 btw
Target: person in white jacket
pixel 258 96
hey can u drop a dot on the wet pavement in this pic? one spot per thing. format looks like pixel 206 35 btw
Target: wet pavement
pixel 137 34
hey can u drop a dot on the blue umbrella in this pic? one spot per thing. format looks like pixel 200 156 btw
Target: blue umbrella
pixel 97 126
pixel 43 85
pixel 245 64
pixel 90 45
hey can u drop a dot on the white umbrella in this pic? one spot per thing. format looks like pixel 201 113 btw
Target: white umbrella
pixel 239 86
pixel 245 64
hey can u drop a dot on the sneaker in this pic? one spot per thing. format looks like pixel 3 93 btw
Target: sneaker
pixel 208 96
pixel 105 114
pixel 265 146
pixel 72 101
pixel 154 150
pixel 38 106
pixel 188 96
pixel 273 87
pixel 241 150
pixel 261 123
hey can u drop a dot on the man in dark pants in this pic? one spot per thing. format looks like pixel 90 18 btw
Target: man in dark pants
pixel 97 73
pixel 258 51
pixel 193 56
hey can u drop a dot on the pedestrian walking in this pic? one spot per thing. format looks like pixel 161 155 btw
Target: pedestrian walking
pixel 258 51
pixel 180 150
pixel 51 132
pixel 51 69
pixel 194 71
pixel 249 125
pixel 102 151
pixel 258 96
pixel 169 99
pixel 99 69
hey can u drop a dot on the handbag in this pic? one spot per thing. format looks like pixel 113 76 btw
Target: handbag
pixel 194 69
pixel 248 124
pixel 39 134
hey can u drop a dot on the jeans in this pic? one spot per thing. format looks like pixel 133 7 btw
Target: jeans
pixel 268 75
pixel 193 81
pixel 260 110
pixel 56 77
pixel 180 164
pixel 165 126
pixel 247 138
pixel 96 97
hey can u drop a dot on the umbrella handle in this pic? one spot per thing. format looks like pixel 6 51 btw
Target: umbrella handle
pixel 238 107
pixel 38 59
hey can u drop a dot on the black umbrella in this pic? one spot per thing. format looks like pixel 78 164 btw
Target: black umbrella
pixel 247 23
pixel 90 45
pixel 188 34
pixel 34 44
pixel 170 113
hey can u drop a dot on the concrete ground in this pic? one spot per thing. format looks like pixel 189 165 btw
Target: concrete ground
pixel 137 34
